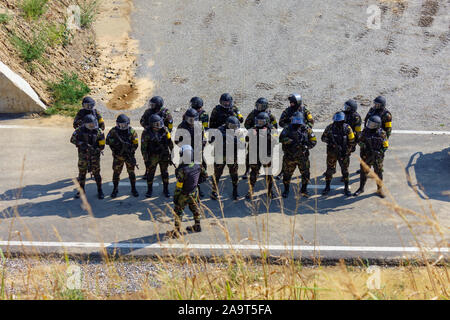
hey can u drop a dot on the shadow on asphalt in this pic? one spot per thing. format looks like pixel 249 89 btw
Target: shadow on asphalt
pixel 160 209
pixel 155 238
pixel 432 174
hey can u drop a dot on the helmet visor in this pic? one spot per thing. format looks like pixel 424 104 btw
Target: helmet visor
pixel 260 107
pixel 90 125
pixel 88 106
pixel 154 106
pixel 372 124
pixel 233 126
pixel 260 122
pixel 122 126
pixel 157 125
pixel 225 104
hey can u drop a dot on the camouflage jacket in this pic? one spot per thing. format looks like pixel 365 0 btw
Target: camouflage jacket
pixel 250 121
pixel 78 121
pixel 287 114
pixel 220 114
pixel 122 142
pixel 164 113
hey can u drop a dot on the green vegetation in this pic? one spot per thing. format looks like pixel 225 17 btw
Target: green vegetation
pixel 88 11
pixel 29 51
pixel 4 18
pixel 57 34
pixel 33 9
pixel 67 95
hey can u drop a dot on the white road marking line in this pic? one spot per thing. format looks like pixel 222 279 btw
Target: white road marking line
pixel 217 246
pixel 418 132
pixel 138 184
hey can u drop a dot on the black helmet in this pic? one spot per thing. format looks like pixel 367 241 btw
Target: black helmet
pixel 196 103
pixel 233 123
pixel 374 122
pixel 339 116
pixel 123 122
pixel 90 122
pixel 262 119
pixel 88 103
pixel 156 121
pixel 350 106
pixel 380 102
pixel 156 103
pixel 296 98
pixel 226 100
pixel 261 104
pixel 297 118
pixel 191 116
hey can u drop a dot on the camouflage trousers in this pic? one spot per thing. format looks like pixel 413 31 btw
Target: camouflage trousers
pixel 151 165
pixel 254 172
pixel 344 163
pixel 289 166
pixel 375 162
pixel 118 163
pixel 83 167
pixel 181 200
pixel 218 171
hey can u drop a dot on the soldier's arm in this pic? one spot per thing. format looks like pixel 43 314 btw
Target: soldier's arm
pixel 387 122
pixel 312 139
pixel 144 146
pixel 169 141
pixel 325 134
pixel 309 118
pixel 134 140
pixel 169 121
pixel 212 119
pixel 74 138
pixel 249 121
pixel 385 142
pixel 358 130
pixel 273 121
pixel 143 120
pixel 77 121
pixel 238 114
pixel 101 122
pixel 283 120
pixel 284 138
pixel 109 139
pixel 351 139
pixel 179 174
pixel 205 121
pixel 101 141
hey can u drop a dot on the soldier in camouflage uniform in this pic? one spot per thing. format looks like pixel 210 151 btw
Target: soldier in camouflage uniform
pixel 123 141
pixel 261 105
pixel 353 119
pixel 188 175
pixel 297 139
pixel 232 125
pixel 296 105
pixel 340 141
pixel 379 109
pixel 189 123
pixel 88 108
pixel 225 109
pixel 262 126
pixel 203 116
pixel 157 107
pixel 156 148
pixel 373 144
pixel 90 141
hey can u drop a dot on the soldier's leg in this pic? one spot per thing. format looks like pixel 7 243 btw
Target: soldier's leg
pixel 82 171
pixel 331 169
pixel 269 180
pixel 132 176
pixel 344 164
pixel 362 174
pixel 304 166
pixel 151 169
pixel 205 166
pixel 164 168
pixel 288 169
pixel 280 175
pixel 218 171
pixel 193 203
pixel 98 179
pixel 254 172
pixel 117 170
pixel 247 165
pixel 233 168
pixel 179 201
pixel 378 168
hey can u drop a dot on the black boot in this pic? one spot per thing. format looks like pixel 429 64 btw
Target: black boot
pixel 166 190
pixel 115 189
pixel 134 192
pixel 286 190
pixel 149 191
pixel 327 188
pixel 195 228
pixel 77 195
pixel 100 194
pixel 304 190
pixel 347 190
pixel 235 192
pixel 200 192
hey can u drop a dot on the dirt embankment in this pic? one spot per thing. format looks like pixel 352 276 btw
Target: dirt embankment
pixel 79 55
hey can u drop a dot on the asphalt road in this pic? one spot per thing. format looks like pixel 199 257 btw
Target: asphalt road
pixel 36 204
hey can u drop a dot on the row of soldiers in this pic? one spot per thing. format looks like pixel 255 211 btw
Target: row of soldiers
pixel 297 138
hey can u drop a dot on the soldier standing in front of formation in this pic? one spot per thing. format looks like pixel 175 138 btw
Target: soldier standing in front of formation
pixel 340 140
pixel 90 141
pixel 88 108
pixel 156 148
pixel 189 175
pixel 203 116
pixel 231 126
pixel 261 105
pixel 373 144
pixel 123 141
pixel 225 109
pixel 190 120
pixel 262 127
pixel 297 140
pixel 295 105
